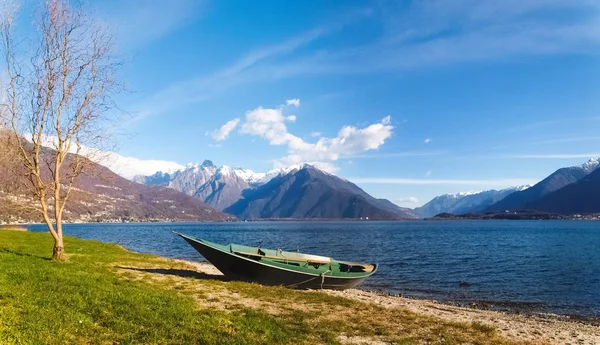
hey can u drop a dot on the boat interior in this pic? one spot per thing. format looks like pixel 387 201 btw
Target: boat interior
pixel 257 253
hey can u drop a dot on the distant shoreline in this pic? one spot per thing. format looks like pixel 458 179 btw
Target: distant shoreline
pixel 313 220
pixel 514 215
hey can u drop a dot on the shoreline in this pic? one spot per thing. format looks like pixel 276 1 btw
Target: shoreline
pixel 475 305
pixel 508 307
pixel 551 328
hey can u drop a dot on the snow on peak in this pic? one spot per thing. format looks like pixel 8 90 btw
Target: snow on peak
pixel 130 168
pixel 590 165
pixel 462 194
pixel 520 188
pixel 249 176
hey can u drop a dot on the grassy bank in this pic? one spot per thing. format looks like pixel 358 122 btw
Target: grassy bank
pixel 104 294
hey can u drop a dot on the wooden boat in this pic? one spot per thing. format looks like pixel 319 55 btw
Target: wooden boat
pixel 278 267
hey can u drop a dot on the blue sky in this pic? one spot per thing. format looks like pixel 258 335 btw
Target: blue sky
pixel 409 99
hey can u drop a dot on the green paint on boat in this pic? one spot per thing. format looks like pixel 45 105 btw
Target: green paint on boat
pixel 279 267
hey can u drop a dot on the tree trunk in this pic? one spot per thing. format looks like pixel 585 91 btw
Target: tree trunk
pixel 58 253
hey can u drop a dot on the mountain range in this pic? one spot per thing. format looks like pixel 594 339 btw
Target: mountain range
pixel 529 198
pixel 299 191
pixel 100 195
pixel 465 202
pixel 201 192
pixel 580 197
pixel 307 192
pixel 304 191
pixel 566 191
pixel 219 187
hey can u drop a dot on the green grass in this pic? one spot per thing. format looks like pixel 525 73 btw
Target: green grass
pixel 87 300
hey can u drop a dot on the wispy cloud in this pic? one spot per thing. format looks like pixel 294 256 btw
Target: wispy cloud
pixel 139 24
pixel 407 181
pixel 406 154
pixel 203 88
pixel 427 140
pixel 566 140
pixel 249 68
pixel 295 102
pixel 428 33
pixel 428 173
pixel 531 126
pixel 223 132
pixel 449 32
pixel 552 156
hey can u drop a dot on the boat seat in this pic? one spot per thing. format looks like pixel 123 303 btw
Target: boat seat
pixel 367 268
pixel 310 261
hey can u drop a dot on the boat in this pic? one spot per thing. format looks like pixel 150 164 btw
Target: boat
pixel 278 267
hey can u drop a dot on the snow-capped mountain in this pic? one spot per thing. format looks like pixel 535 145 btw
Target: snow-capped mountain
pixel 305 191
pixel 580 197
pixel 218 186
pixel 297 191
pixel 555 181
pixel 590 165
pixel 465 202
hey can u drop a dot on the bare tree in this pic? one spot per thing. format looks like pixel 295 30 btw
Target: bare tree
pixel 57 100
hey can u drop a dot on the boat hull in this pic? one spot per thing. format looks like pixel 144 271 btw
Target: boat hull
pixel 241 268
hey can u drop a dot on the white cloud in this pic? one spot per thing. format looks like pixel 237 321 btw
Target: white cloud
pixel 223 132
pixel 270 124
pixel 407 181
pixel 426 141
pixel 127 167
pixel 408 201
pixel 428 173
pixel 315 134
pixel 295 102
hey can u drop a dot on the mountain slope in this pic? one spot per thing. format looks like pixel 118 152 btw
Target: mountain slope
pixel 582 196
pixel 465 202
pixel 219 187
pixel 101 195
pixel 307 192
pixel 557 180
pixel 223 189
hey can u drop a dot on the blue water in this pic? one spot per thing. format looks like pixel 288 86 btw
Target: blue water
pixel 546 266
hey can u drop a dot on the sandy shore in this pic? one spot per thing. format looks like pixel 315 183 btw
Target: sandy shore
pixel 550 329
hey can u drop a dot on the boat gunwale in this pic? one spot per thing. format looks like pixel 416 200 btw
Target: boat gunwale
pixel 367 274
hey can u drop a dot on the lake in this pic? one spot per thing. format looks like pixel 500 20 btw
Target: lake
pixel 538 266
